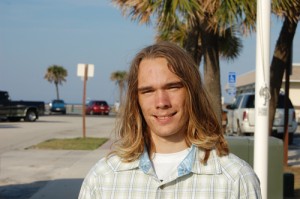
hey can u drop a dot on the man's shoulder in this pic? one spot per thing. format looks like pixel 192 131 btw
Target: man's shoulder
pixel 235 167
pixel 229 165
pixel 102 167
pixel 233 159
pixel 113 163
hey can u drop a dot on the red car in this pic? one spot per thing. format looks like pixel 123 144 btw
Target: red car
pixel 97 107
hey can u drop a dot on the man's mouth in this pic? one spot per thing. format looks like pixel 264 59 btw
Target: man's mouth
pixel 164 117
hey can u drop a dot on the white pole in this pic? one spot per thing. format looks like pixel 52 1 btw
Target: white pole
pixel 262 94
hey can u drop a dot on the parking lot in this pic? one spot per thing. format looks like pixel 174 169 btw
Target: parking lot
pixel 25 171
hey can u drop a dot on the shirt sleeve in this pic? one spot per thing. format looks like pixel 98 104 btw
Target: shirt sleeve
pixel 247 185
pixel 91 186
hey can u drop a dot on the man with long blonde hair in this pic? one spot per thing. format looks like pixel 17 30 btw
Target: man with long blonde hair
pixel 169 141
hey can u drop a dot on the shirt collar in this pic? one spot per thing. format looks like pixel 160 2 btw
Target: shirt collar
pixel 191 163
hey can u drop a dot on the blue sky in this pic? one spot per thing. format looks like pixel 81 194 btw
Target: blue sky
pixel 35 34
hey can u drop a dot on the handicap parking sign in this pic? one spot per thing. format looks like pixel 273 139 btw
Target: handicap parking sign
pixel 231 77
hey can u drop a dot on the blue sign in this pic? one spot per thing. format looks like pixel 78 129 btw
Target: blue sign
pixel 231 78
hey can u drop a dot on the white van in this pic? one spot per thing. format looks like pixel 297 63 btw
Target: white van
pixel 241 116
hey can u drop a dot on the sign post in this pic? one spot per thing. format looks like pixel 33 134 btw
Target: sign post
pixel 84 71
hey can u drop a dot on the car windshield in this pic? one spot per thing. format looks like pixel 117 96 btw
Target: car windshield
pixel 280 104
pixel 100 103
pixel 58 101
pixel 250 102
pixel 97 103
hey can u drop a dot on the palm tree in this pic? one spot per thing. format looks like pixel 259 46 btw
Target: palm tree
pixel 56 74
pixel 282 52
pixel 120 77
pixel 200 25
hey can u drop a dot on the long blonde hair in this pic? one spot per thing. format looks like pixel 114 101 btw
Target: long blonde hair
pixel 203 128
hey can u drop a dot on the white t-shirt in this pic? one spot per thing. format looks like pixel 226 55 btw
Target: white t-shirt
pixel 165 163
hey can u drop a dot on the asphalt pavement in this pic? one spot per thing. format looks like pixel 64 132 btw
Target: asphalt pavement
pixel 44 174
pixel 47 174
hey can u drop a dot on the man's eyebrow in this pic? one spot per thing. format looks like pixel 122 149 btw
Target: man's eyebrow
pixel 168 85
pixel 144 88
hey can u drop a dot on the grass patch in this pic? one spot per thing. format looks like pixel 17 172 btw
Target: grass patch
pixel 71 144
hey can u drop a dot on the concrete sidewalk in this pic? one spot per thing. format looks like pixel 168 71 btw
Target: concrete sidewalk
pixel 34 173
pixel 68 182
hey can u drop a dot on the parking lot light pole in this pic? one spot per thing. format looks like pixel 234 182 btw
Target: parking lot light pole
pixel 262 94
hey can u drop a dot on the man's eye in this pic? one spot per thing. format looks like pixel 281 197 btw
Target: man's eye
pixel 146 91
pixel 175 87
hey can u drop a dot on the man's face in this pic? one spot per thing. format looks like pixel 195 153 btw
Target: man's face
pixel 162 96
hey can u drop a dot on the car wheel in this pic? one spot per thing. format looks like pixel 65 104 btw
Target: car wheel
pixel 92 113
pixel 31 116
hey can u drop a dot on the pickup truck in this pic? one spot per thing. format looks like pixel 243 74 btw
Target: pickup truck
pixel 17 110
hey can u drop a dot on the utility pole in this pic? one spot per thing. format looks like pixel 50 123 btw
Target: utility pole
pixel 262 94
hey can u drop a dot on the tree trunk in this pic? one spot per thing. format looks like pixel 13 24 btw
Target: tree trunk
pixel 212 70
pixel 191 44
pixel 57 93
pixel 279 63
pixel 121 88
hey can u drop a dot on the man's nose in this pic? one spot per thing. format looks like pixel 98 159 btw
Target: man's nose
pixel 162 99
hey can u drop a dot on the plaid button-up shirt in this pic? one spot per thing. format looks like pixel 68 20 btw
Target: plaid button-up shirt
pixel 221 177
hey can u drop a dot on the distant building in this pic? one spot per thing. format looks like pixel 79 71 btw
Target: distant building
pixel 246 83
